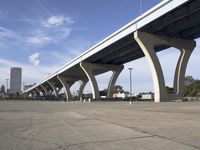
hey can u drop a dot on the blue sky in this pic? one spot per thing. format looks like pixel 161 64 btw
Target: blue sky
pixel 42 35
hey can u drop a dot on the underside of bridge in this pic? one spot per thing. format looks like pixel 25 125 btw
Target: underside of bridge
pixel 177 28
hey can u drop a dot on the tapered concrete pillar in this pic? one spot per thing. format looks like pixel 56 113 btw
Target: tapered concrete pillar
pixel 35 93
pixel 37 89
pixel 44 89
pixel 147 43
pixel 92 69
pixel 186 47
pixel 41 90
pixel 87 68
pixel 111 86
pixel 28 94
pixel 66 83
pixel 81 88
pixel 54 88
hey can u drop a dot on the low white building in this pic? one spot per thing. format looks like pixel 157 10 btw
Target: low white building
pixel 147 96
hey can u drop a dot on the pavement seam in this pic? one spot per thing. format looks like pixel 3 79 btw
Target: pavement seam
pixel 136 129
pixel 31 138
pixel 162 137
pixel 59 146
pixel 163 111
pixel 106 141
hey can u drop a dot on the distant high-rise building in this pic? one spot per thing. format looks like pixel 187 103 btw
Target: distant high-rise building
pixel 2 90
pixel 15 80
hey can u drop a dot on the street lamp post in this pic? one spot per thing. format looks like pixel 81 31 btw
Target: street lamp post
pixel 130 69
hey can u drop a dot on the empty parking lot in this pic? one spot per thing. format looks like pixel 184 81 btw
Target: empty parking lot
pixel 26 125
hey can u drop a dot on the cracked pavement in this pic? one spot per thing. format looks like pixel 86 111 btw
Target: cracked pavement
pixel 36 125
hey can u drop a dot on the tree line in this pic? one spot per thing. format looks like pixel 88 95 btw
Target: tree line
pixel 193 90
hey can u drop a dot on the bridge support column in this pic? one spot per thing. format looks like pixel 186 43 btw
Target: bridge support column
pixel 54 88
pixel 111 86
pixel 186 48
pixel 35 93
pixel 147 43
pixel 66 83
pixel 27 95
pixel 38 91
pixel 87 68
pixel 92 69
pixel 81 88
pixel 45 90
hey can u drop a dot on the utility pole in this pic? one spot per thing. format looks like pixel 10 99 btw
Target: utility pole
pixel 130 69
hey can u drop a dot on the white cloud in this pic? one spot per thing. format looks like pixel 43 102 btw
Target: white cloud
pixel 39 40
pixel 55 30
pixel 7 33
pixel 10 40
pixel 48 37
pixel 51 30
pixel 57 21
pixel 34 59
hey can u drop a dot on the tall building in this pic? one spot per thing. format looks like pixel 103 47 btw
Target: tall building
pixel 15 80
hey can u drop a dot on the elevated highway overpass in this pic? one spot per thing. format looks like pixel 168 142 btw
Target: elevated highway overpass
pixel 171 23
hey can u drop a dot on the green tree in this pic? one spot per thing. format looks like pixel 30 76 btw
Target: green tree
pixel 193 89
pixel 169 90
pixel 118 89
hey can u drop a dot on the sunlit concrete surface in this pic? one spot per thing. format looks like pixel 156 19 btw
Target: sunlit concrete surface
pixel 29 125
